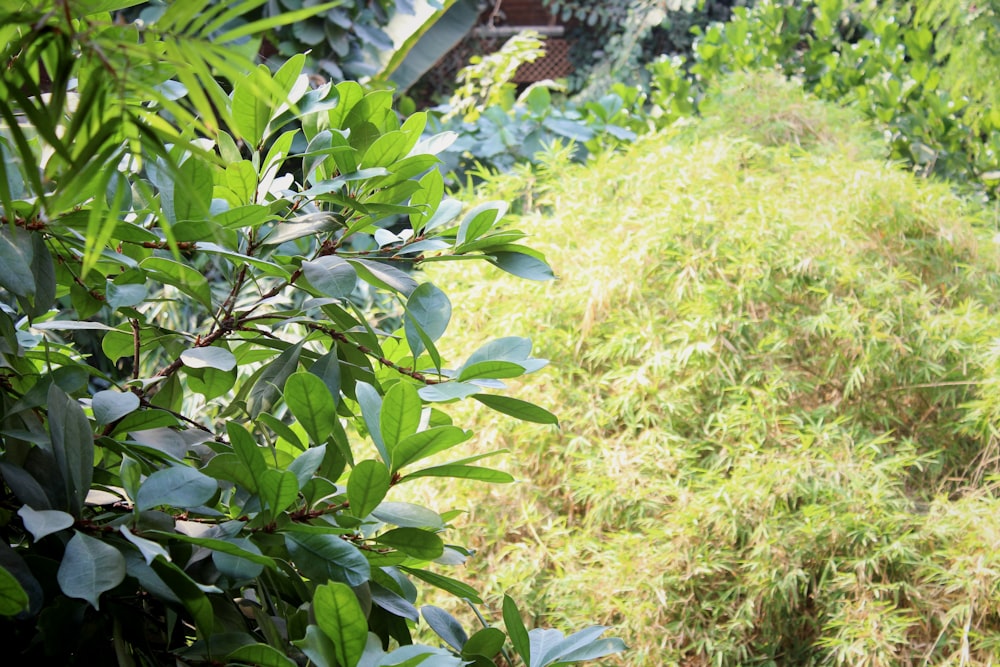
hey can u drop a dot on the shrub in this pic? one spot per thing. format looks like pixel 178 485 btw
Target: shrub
pixel 777 389
pixel 207 441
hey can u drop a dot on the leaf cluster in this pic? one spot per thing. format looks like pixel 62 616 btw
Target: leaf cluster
pixel 207 441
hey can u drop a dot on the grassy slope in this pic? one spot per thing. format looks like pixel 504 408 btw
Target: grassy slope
pixel 775 368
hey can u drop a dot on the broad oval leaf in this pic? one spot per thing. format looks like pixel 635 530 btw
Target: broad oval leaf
pixel 429 309
pixel 13 598
pixel 426 443
pixel 445 625
pixel 110 405
pixel 44 522
pixel 209 357
pixel 367 486
pixel 408 515
pixel 517 408
pixel 382 275
pixel 324 557
pixel 310 401
pixel 400 414
pixel 339 615
pixel 414 542
pixel 88 568
pixel 178 486
pixel 332 276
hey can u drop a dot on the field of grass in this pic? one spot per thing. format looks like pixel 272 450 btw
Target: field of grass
pixel 775 359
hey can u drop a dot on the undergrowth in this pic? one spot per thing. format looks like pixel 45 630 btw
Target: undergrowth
pixel 776 367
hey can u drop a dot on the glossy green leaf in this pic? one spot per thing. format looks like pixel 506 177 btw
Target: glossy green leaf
pixel 447 391
pixel 453 586
pixel 522 265
pixel 44 522
pixel 445 625
pixel 382 275
pixel 235 566
pixel 177 486
pixel 183 277
pixel 261 655
pixel 486 643
pixel 371 407
pixel 209 357
pixel 367 486
pixel 408 515
pixel 490 370
pixel 430 309
pixel 187 590
pixel 515 629
pixel 459 471
pixel 110 405
pixel 331 276
pixel 125 294
pixel 517 408
pixel 400 414
pixel 426 443
pixel 278 489
pixel 307 463
pixel 15 256
pixel 327 369
pixel 339 616
pixel 231 547
pixel 72 445
pixel 149 549
pixel 310 401
pixel 252 106
pixel 317 647
pixel 327 557
pixel 414 542
pixel 480 220
pixel 267 390
pixel 88 568
pixel 248 453
pixel 13 598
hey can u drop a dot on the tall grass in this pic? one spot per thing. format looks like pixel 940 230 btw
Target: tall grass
pixel 776 363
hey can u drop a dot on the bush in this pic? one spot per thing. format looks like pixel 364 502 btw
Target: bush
pixel 207 441
pixel 777 390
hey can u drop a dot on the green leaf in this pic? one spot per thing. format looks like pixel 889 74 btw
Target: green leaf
pixel 486 643
pixel 43 272
pixel 261 655
pixel 190 594
pixel 430 309
pixel 307 463
pixel 148 548
pixel 453 586
pixel 515 629
pixel 371 406
pixel 447 391
pixel 478 221
pixel 233 547
pixel 72 445
pixel 278 489
pixel 185 278
pixel 237 567
pixel 522 265
pixel 252 106
pixel 384 276
pixel 414 542
pixel 209 357
pixel 248 452
pixel 459 471
pixel 189 194
pixel 88 568
pixel 177 486
pixel 15 256
pixel 426 443
pixel 110 405
pixel 367 486
pixel 331 276
pixel 13 598
pixel 310 401
pixel 490 370
pixel 445 625
pixel 44 522
pixel 327 557
pixel 267 389
pixel 327 369
pixel 240 180
pixel 408 515
pixel 317 647
pixel 400 414
pixel 339 615
pixel 517 408
pixel 125 294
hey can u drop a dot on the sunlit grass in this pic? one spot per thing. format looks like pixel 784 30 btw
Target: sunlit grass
pixel 774 363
